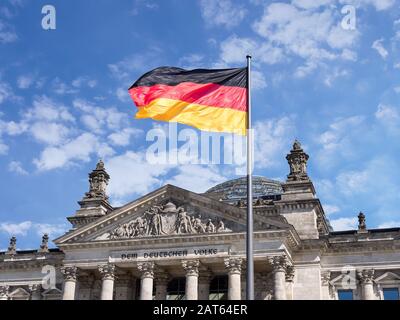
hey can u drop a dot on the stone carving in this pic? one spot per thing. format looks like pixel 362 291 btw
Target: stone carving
pixel 234 265
pixel 297 160
pixel 147 269
pixel 278 263
pixel 69 273
pixel 107 271
pixel 191 267
pixel 325 278
pixel 289 273
pixel 98 181
pixel 44 247
pixel 366 276
pixel 165 220
pixel 362 226
pixel 4 291
pixel 12 248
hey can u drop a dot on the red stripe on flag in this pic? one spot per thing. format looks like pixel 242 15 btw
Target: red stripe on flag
pixel 208 94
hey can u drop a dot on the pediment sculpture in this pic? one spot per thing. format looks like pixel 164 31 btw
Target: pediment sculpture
pixel 165 220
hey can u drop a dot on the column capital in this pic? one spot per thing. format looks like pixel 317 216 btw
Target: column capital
pixel 146 269
pixel 234 265
pixel 69 272
pixel 289 273
pixel 278 263
pixel 4 290
pixel 107 271
pixel 366 275
pixel 191 267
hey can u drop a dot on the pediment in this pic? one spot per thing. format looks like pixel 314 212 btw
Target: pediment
pixel 168 211
pixel 388 277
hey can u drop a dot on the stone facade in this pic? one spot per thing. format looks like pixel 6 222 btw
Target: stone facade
pixel 174 244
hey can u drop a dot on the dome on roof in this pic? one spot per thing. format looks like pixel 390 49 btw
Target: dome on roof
pixel 235 190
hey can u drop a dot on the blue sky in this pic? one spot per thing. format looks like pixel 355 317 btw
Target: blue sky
pixel 64 101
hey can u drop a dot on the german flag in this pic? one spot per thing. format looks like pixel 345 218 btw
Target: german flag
pixel 210 100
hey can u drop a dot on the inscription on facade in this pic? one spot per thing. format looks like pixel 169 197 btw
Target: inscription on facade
pixel 169 253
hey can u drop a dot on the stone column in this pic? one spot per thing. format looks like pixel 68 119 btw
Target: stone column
pixel 279 264
pixel 35 291
pixel 147 276
pixel 4 292
pixel 234 266
pixel 204 284
pixel 107 278
pixel 69 274
pixel 289 282
pixel 192 276
pixel 162 280
pixel 367 285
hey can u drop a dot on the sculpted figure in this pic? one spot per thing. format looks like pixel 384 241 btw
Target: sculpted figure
pixel 183 222
pixel 220 226
pixel 210 226
pixel 198 225
pixel 155 223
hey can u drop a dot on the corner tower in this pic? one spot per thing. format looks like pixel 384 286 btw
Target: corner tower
pixel 95 203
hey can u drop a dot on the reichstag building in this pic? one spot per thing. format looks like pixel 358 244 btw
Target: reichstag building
pixel 176 244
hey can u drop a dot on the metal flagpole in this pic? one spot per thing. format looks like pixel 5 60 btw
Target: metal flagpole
pixel 249 236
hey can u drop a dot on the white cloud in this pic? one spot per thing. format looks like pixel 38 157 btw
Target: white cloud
pixel 379 5
pixel 337 142
pixel 76 150
pixel 22 228
pixel 5 92
pixel 196 178
pixel 132 174
pixel 98 119
pixel 7 34
pixel 25 81
pixel 62 88
pixel 389 224
pixel 222 13
pixel 330 209
pixel 272 138
pixel 389 116
pixel 124 69
pixel 378 46
pixel 15 229
pixel 333 75
pixel 311 4
pixel 49 133
pixel 47 109
pixel 342 224
pixel 234 50
pixel 16 166
pixel 3 148
pixel 52 230
pixel 122 94
pixel 122 138
pixel 353 182
pixel 84 81
pixel 312 35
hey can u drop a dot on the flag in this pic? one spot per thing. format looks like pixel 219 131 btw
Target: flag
pixel 210 100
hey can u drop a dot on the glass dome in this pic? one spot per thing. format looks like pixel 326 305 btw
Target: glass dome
pixel 234 190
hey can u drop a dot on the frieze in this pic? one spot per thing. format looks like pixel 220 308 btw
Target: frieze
pixel 165 220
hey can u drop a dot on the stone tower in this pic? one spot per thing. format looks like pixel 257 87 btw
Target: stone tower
pixel 95 203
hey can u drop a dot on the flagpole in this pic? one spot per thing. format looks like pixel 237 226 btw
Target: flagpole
pixel 249 235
